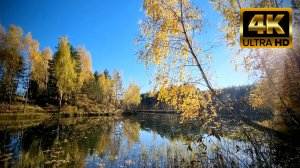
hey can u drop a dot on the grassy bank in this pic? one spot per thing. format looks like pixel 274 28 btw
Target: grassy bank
pixel 15 118
pixel 16 124
pixel 76 111
pixel 18 107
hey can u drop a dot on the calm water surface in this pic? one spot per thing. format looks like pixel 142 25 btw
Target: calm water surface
pixel 143 140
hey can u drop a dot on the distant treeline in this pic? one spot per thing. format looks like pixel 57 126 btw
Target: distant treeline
pixel 237 96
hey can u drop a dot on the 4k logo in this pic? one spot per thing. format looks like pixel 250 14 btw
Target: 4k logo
pixel 266 27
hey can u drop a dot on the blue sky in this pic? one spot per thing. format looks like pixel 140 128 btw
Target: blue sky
pixel 107 29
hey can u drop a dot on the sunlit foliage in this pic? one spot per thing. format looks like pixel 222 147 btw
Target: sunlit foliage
pixel 106 85
pixel 61 79
pixel 277 71
pixel 85 66
pixel 167 42
pixel 38 61
pixel 47 55
pixel 189 100
pixel 132 96
pixel 163 37
pixel 64 69
pixel 11 61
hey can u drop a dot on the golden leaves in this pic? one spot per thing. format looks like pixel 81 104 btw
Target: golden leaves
pixel 85 65
pixel 230 11
pixel 38 61
pixel 166 40
pixel 162 39
pixel 132 95
pixel 64 67
pixel 106 85
pixel 188 99
pixel 11 58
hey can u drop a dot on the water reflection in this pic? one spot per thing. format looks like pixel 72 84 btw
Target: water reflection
pixel 144 140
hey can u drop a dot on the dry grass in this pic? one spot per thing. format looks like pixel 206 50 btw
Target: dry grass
pixel 18 108
pixel 15 118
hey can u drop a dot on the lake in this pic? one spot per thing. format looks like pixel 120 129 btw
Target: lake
pixel 142 140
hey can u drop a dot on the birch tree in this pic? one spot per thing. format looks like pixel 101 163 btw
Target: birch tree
pixel 168 40
pixel 118 89
pixel 64 68
pixel 132 96
pixel 11 61
pixel 85 66
pixel 46 57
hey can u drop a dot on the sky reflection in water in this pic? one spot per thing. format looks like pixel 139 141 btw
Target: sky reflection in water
pixel 135 141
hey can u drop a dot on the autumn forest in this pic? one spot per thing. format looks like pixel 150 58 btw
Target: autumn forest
pixel 56 110
pixel 33 76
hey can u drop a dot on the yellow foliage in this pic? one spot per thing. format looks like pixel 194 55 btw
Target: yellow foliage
pixel 189 100
pixel 11 59
pixel 64 68
pixel 167 42
pixel 85 66
pixel 46 56
pixel 38 61
pixel 162 38
pixel 106 85
pixel 132 95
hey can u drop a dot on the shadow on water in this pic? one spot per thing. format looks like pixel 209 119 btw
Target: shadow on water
pixel 143 140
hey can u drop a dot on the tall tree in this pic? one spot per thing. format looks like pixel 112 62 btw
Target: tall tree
pixel 38 62
pixel 168 40
pixel 64 68
pixel 32 61
pixel 51 84
pixel 85 66
pixel 35 58
pixel 132 96
pixel 96 75
pixel 46 57
pixel 106 73
pixel 117 88
pixel 106 85
pixel 76 57
pixel 11 61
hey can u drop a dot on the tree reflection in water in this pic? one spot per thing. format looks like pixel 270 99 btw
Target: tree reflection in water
pixel 143 140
